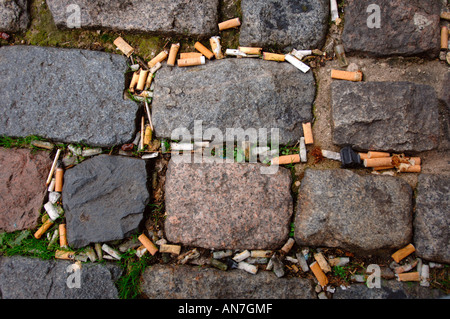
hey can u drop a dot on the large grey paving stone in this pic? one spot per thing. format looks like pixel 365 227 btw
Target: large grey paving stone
pixel 23 174
pixel 68 95
pixel 385 116
pixel 432 218
pixel 406 28
pixel 33 278
pixel 364 214
pixel 234 93
pixel 167 17
pixel 390 289
pixel 285 24
pixel 104 199
pixel 14 15
pixel 227 206
pixel 186 282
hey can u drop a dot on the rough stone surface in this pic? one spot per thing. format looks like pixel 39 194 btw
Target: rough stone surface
pixel 68 95
pixel 406 28
pixel 390 289
pixel 104 199
pixel 385 116
pixel 32 278
pixel 364 214
pixel 23 174
pixel 234 93
pixel 227 206
pixel 14 15
pixel 169 17
pixel 186 282
pixel 432 218
pixel 285 24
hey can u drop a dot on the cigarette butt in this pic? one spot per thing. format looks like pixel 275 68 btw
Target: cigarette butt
pixel 261 253
pixel 142 80
pixel 52 169
pixel 363 156
pixel 59 176
pixel 320 275
pixel 142 132
pixel 415 160
pixel 191 61
pixel 307 133
pixel 319 257
pixel 149 81
pixel 152 249
pixel 288 245
pixel 228 24
pixel 378 162
pixel 123 46
pixel 203 50
pixel 62 235
pixel 347 75
pixel 250 50
pixel 409 276
pixel 273 57
pixel 444 38
pixel 172 249
pixel 402 253
pixel 216 47
pixel 147 135
pixel 188 55
pixel 134 81
pixel 173 54
pixel 62 254
pixel 405 168
pixel 159 58
pixel 286 159
pixel 45 226
pixel 445 15
pixel 372 154
pixel 381 168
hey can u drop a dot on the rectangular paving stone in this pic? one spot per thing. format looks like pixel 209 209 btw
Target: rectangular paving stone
pixel 14 15
pixel 167 17
pixel 286 24
pixel 385 116
pixel 405 27
pixel 186 282
pixel 66 95
pixel 364 214
pixel 234 93
pixel 432 216
pixel 227 206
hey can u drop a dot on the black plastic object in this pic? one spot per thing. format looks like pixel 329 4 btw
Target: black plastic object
pixel 349 158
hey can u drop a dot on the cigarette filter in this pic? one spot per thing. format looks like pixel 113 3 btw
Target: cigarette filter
pixel 232 23
pixel 322 262
pixel 248 267
pixel 152 249
pixel 406 168
pixel 191 61
pixel 250 50
pixel 445 15
pixel 320 275
pixel 378 162
pixel 273 57
pixel 147 135
pixel 216 47
pixel 45 226
pixel 142 80
pixel 159 58
pixel 288 245
pixel 444 38
pixel 52 169
pixel 372 154
pixel 173 54
pixel 134 81
pixel 172 249
pixel 62 235
pixel 307 133
pixel 347 75
pixel 124 46
pixel 188 55
pixel 204 50
pixel 297 63
pixel 51 210
pixel 286 159
pixel 62 254
pixel 409 276
pixel 402 253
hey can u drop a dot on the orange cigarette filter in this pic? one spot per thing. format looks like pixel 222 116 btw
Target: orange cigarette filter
pixel 404 252
pixel 378 162
pixel 59 176
pixel 372 154
pixel 204 50
pixel 159 58
pixel 380 168
pixel 347 75
pixel 173 54
pixel 142 80
pixel 62 235
pixel 307 133
pixel 124 46
pixel 134 81
pixel 286 159
pixel 191 61
pixel 232 23
pixel 273 57
pixel 152 249
pixel 188 55
pixel 409 276
pixel 363 156
pixel 318 272
pixel 62 254
pixel 415 160
pixel 444 38
pixel 45 226
pixel 250 50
